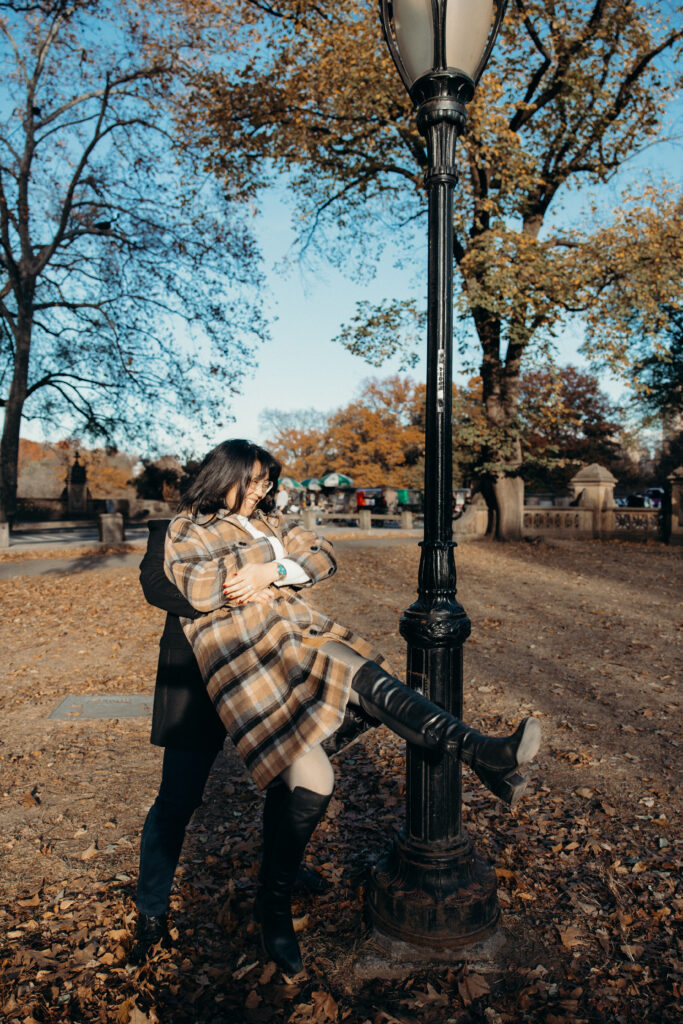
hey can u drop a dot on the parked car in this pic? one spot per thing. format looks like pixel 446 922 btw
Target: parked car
pixel 388 500
pixel 651 497
pixel 656 496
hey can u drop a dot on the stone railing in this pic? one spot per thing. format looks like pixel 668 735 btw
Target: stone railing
pixel 560 522
pixel 616 522
pixel 364 518
pixel 573 523
pixel 638 523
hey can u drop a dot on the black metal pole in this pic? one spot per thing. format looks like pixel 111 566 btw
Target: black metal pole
pixel 430 888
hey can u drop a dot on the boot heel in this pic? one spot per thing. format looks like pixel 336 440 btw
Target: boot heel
pixel 282 949
pixel 499 763
pixel 511 787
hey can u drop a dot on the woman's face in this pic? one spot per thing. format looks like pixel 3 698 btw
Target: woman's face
pixel 258 487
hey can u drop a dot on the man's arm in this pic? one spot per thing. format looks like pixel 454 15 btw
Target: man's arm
pixel 156 586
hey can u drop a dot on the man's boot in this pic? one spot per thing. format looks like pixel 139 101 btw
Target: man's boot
pixel 497 762
pixel 149 930
pixel 294 818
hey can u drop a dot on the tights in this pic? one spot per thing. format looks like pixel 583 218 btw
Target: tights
pixel 313 770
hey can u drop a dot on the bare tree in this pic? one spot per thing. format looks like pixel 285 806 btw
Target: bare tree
pixel 128 286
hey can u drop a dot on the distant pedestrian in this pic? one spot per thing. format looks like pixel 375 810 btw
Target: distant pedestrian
pixel 282 500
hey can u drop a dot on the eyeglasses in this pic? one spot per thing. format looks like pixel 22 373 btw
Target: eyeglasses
pixel 261 487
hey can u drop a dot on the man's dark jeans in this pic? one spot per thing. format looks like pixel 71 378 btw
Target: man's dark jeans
pixel 183 778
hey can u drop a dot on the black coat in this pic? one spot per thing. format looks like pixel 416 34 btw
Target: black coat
pixel 183 716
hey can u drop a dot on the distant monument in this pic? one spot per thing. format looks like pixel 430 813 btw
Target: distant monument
pixel 77 493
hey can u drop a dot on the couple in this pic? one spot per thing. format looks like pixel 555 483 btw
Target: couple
pixel 243 653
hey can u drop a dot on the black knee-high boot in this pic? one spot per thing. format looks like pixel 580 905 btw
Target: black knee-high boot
pixel 495 761
pixel 289 823
pixel 307 881
pixel 355 723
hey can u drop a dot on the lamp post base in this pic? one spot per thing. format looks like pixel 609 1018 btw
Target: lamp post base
pixel 382 956
pixel 434 895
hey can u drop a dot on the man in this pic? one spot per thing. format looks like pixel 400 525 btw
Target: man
pixel 185 723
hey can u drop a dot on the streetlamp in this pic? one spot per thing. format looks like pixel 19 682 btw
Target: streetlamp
pixel 431 889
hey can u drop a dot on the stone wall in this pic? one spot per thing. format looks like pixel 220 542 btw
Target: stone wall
pixel 594 513
pixel 591 514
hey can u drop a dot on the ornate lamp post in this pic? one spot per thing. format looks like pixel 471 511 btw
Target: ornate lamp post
pixel 431 888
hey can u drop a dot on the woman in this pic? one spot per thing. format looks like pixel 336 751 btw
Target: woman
pixel 185 724
pixel 280 674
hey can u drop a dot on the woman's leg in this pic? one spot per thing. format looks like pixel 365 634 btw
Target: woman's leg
pixel 312 770
pixel 294 806
pixel 495 761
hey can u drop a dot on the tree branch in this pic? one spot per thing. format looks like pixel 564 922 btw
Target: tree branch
pixel 537 76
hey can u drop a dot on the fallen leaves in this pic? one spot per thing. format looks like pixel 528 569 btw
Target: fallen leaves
pixel 321 1009
pixel 570 936
pixel 34 901
pixel 472 987
pixel 130 1013
pixel 242 972
pixel 301 923
pixel 583 878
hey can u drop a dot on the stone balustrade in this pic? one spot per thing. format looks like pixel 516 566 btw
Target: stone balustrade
pixel 592 514
pixel 557 522
pixel 595 514
pixel 363 518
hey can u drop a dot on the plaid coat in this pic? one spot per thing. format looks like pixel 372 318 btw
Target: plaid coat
pixel 276 696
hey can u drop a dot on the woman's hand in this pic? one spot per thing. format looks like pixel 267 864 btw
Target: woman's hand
pixel 251 580
pixel 260 597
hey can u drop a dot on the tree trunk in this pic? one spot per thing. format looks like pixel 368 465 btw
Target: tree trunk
pixel 509 495
pixel 9 445
pixel 504 491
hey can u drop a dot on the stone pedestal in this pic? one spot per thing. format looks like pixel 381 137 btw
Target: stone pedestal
pixel 364 519
pixel 593 486
pixel 473 522
pixel 406 519
pixel 4 535
pixel 111 528
pixel 308 518
pixel 674 524
pixel 382 956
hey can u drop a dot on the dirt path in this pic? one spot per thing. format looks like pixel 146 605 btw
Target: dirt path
pixel 585 635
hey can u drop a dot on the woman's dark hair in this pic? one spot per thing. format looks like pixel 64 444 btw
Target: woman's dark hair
pixel 230 463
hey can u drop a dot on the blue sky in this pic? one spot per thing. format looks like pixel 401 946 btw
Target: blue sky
pixel 301 366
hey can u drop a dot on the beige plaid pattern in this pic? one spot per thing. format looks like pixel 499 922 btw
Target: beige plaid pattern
pixel 276 696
